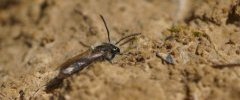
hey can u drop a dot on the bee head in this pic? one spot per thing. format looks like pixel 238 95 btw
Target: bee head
pixel 114 49
pixel 109 50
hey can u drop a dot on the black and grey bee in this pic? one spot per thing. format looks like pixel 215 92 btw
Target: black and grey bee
pixel 106 51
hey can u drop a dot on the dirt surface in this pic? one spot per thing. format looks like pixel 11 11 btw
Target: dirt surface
pixel 188 49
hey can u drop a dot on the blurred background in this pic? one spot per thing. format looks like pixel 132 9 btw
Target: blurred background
pixel 36 36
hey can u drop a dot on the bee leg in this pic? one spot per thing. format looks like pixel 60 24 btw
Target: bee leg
pixel 85 45
pixel 110 61
pixel 123 54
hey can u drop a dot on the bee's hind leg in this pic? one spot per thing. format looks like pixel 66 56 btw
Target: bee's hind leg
pixel 85 45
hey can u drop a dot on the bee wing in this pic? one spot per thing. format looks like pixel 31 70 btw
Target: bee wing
pixel 87 56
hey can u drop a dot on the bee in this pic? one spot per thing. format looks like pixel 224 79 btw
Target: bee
pixel 106 51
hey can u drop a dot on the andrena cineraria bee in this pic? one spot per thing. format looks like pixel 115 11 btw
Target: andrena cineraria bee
pixel 106 51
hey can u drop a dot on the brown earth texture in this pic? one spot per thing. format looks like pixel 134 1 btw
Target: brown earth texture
pixel 187 49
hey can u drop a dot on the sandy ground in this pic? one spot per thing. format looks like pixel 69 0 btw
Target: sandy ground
pixel 177 56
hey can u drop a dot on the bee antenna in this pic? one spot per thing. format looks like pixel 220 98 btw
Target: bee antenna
pixel 108 34
pixel 128 36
